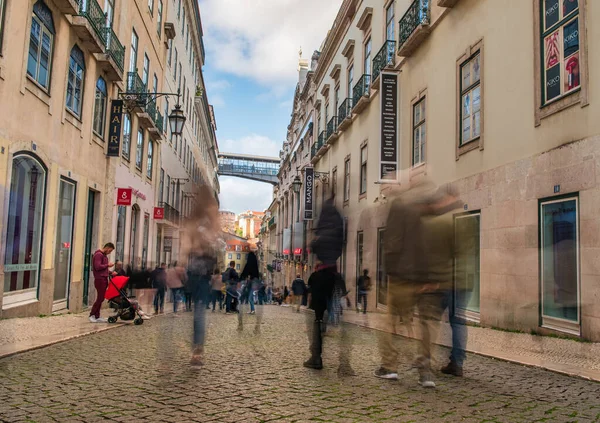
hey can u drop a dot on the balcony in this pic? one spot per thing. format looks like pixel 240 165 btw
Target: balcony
pixel 171 214
pixel 360 97
pixel 345 114
pixel 136 89
pixel 384 59
pixel 331 134
pixel 113 59
pixel 318 148
pixel 90 25
pixel 148 119
pixel 447 3
pixel 414 27
pixel 157 129
pixel 68 7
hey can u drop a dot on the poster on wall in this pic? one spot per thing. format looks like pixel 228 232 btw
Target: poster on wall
pixel 309 179
pixel 388 164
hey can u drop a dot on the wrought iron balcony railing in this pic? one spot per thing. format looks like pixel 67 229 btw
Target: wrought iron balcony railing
pixel 345 110
pixel 135 83
pixel 114 48
pixel 361 89
pixel 313 150
pixel 385 57
pixel 418 13
pixel 151 109
pixel 159 121
pixel 331 127
pixel 91 10
pixel 171 213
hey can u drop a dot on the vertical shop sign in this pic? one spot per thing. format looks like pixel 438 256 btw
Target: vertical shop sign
pixel 388 167
pixel 114 128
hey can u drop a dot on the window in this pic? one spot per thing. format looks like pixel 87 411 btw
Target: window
pixel 155 84
pixel 560 44
pixel 166 125
pixel 151 6
pixel 347 180
pixel 22 258
pixel 470 99
pixel 159 22
pixel 183 22
pixel 334 182
pixel 2 13
pixel 363 170
pixel 239 257
pixel 179 9
pixel 146 70
pixel 467 264
pixel 389 23
pixel 168 196
pixel 145 240
pixel 41 42
pixel 350 80
pixel 170 57
pixel 237 266
pixel 419 132
pixel 100 107
pixel 326 113
pixel 161 185
pixel 367 65
pixel 187 38
pixel 134 52
pixel 175 67
pixel 229 256
pixel 180 74
pixel 75 81
pixel 149 161
pixel 109 11
pixel 120 244
pixel 139 149
pixel 336 99
pixel 559 226
pixel 126 148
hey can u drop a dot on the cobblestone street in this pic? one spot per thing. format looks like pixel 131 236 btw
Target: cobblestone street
pixel 141 373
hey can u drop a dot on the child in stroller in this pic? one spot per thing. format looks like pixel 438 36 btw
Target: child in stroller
pixel 126 308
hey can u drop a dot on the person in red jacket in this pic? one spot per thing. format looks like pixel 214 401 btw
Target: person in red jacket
pixel 100 266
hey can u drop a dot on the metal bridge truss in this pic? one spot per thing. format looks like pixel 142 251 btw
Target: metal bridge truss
pixel 256 168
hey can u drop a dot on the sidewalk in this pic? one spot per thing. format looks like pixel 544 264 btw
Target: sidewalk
pixel 29 333
pixel 573 358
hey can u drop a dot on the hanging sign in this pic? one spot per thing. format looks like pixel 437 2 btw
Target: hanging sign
pixel 159 213
pixel 114 128
pixel 124 196
pixel 309 180
pixel 388 165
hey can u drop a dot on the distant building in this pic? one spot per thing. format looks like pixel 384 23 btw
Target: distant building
pixel 228 219
pixel 249 223
pixel 237 250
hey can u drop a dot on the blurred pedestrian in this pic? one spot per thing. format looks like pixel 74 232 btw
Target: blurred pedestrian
pixel 217 285
pixel 230 278
pixel 158 279
pixel 269 294
pixel 364 286
pixel 199 276
pixel 298 289
pixel 175 279
pixel 119 271
pixel 286 294
pixel 251 275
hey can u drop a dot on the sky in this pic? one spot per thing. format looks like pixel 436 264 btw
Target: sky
pixel 251 72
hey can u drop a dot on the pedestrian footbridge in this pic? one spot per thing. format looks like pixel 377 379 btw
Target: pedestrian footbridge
pixel 256 168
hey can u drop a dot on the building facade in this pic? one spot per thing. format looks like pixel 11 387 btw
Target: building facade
pixel 68 145
pixel 227 221
pixel 248 224
pixel 236 250
pixel 408 90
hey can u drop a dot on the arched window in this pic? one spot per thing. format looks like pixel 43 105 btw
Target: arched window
pixel 41 42
pixel 100 107
pixel 126 149
pixel 24 229
pixel 75 81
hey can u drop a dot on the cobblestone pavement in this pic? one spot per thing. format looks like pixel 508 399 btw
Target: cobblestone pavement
pixel 141 373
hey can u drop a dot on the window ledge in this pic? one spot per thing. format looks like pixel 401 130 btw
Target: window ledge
pixel 37 90
pixel 558 105
pixel 474 144
pixel 362 196
pixel 418 170
pixel 73 119
pixel 346 203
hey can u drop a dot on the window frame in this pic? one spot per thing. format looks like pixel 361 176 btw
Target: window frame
pixel 133 51
pixel 367 56
pixel 139 152
pixel 580 95
pixel 469 90
pixel 151 7
pixel 51 32
pixel 146 70
pixel 126 137
pixel 159 10
pixel 150 159
pixel 467 56
pixel 104 94
pixel 71 108
pixel 2 24
pixel 390 21
pixel 419 101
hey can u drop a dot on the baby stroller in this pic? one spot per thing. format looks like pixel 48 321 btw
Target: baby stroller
pixel 126 307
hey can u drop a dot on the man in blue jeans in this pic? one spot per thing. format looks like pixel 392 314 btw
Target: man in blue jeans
pixel 231 278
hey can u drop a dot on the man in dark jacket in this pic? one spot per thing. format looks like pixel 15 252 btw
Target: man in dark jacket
pixel 328 248
pixel 199 275
pixel 158 278
pixel 100 266
pixel 231 278
pixel 298 289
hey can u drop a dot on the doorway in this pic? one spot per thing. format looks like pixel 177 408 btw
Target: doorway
pixel 63 246
pixel 91 239
pixel 135 217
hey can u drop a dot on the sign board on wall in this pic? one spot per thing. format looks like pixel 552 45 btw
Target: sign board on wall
pixel 159 213
pixel 388 164
pixel 124 196
pixel 114 128
pixel 168 244
pixel 309 180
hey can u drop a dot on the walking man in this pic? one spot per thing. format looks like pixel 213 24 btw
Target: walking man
pixel 298 289
pixel 217 286
pixel 230 277
pixel 158 278
pixel 100 266
pixel 364 286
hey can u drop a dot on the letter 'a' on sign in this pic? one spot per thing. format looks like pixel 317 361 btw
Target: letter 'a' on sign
pixel 124 196
pixel 309 184
pixel 114 128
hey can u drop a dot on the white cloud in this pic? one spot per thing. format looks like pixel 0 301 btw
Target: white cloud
pixel 239 195
pixel 260 39
pixel 252 144
pixel 217 100
pixel 218 85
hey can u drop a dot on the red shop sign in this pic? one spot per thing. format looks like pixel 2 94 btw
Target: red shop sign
pixel 298 251
pixel 124 196
pixel 159 213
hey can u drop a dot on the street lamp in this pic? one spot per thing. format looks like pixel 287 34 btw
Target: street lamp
pixel 296 184
pixel 177 120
